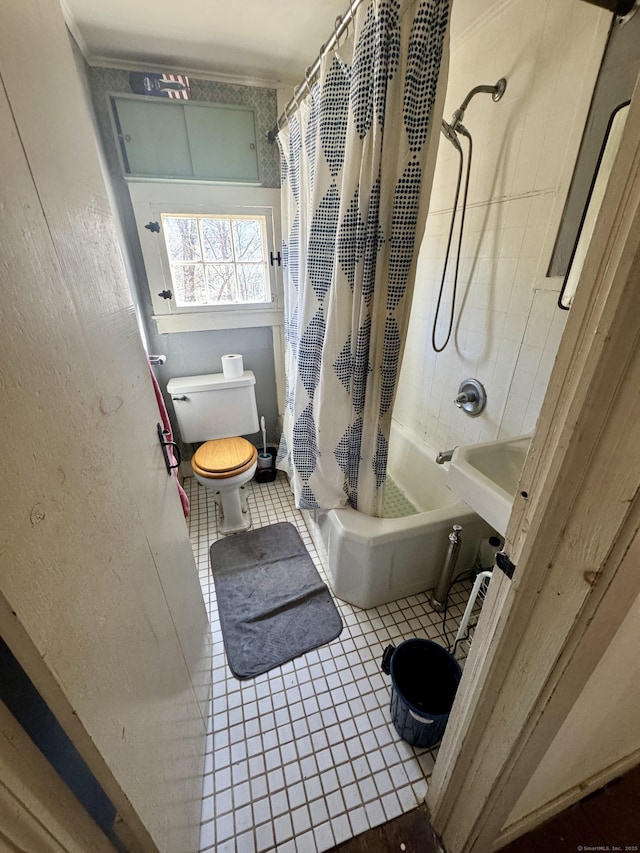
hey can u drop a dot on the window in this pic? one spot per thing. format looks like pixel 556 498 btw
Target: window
pixel 209 252
pixel 217 260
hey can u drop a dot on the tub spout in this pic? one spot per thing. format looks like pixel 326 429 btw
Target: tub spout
pixel 444 456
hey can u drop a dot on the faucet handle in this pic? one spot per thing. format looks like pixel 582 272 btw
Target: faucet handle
pixel 465 397
pixel 471 397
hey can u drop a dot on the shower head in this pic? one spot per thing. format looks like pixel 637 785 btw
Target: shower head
pixel 450 134
pixel 496 93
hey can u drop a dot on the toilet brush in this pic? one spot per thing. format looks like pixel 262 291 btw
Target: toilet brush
pixel 264 458
pixel 264 436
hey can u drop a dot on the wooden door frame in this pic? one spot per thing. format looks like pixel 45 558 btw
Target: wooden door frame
pixel 37 810
pixel 127 826
pixel 573 535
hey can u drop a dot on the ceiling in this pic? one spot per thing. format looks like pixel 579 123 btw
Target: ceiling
pixel 272 41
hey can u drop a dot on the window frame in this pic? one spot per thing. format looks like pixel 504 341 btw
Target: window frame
pixel 151 199
pixel 233 261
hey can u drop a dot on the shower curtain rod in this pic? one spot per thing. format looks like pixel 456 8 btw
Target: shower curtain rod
pixel 311 72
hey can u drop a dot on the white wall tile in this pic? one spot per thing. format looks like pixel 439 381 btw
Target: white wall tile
pixel 508 326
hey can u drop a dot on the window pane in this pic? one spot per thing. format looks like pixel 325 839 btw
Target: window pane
pixel 221 279
pixel 252 283
pixel 247 240
pixel 181 237
pixel 188 282
pixel 216 239
pixel 217 259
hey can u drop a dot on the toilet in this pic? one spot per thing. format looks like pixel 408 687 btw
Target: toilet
pixel 217 410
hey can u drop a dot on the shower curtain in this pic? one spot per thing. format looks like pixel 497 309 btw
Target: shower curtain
pixel 357 163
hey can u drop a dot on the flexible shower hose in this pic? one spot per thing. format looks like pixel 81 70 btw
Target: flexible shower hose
pixel 446 259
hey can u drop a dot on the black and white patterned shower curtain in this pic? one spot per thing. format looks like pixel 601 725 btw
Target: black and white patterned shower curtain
pixel 357 165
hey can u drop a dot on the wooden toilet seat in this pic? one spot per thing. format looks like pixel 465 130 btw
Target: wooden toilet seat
pixel 222 458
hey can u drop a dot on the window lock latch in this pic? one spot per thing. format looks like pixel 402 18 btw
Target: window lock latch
pixel 275 259
pixel 166 294
pixel 154 227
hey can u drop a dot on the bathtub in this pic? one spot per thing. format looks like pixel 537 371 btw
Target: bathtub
pixel 371 561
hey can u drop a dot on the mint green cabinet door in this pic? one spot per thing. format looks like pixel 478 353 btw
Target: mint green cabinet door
pixel 168 139
pixel 223 142
pixel 153 138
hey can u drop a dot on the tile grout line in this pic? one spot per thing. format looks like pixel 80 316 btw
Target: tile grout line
pixel 306 756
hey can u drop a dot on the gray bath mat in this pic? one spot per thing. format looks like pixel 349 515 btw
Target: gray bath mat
pixel 272 603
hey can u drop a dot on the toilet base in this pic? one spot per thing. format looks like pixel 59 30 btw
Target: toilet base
pixel 234 511
pixel 230 496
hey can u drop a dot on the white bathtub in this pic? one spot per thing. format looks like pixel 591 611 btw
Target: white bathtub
pixel 371 561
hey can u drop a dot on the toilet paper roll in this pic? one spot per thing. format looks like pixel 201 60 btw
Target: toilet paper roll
pixel 232 366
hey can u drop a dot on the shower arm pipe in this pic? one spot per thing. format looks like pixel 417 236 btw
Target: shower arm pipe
pixel 496 92
pixel 311 73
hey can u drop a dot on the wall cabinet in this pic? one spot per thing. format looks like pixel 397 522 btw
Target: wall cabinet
pixel 185 140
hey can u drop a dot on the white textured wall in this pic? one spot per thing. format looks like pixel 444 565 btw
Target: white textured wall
pixel 508 325
pixel 601 734
pixel 99 593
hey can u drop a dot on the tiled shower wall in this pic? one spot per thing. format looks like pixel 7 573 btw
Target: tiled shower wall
pixel 508 326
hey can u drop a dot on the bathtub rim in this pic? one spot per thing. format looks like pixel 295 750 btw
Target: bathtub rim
pixel 367 528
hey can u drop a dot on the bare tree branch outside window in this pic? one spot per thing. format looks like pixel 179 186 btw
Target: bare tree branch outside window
pixel 217 260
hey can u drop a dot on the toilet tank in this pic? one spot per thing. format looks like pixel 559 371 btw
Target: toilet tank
pixel 212 406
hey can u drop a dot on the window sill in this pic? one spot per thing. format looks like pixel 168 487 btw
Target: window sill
pixel 164 179
pixel 202 321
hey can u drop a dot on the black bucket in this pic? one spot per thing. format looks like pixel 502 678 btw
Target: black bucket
pixel 424 681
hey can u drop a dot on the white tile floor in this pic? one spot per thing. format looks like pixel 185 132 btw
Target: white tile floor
pixel 304 757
